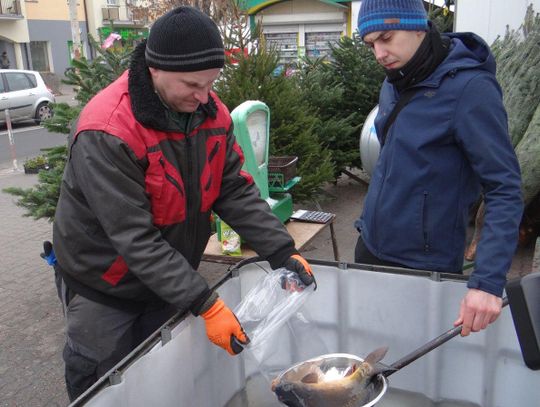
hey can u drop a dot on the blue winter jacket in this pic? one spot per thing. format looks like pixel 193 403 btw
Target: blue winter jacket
pixel 448 144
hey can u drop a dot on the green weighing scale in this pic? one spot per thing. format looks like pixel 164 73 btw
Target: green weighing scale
pixel 252 130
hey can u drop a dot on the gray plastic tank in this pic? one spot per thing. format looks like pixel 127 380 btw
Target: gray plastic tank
pixel 354 310
pixel 369 143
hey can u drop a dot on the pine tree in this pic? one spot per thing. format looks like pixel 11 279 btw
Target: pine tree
pixel 442 17
pixel 40 201
pixel 518 58
pixel 342 91
pixel 528 154
pixel 292 122
pixel 87 78
pixel 252 75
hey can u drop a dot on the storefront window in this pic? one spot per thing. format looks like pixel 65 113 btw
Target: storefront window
pixel 40 56
pixel 286 44
pixel 318 43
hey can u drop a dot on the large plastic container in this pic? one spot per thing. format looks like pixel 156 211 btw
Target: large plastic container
pixel 354 311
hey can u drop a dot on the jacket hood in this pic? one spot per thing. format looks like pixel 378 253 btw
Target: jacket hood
pixel 145 103
pixel 467 51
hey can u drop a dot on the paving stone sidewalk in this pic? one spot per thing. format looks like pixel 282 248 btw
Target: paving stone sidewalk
pixel 31 326
pixel 31 321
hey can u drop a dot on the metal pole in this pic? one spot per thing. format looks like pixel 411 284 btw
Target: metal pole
pixel 75 30
pixel 334 241
pixel 455 15
pixel 11 142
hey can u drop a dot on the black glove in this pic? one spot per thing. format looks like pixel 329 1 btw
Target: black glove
pixel 301 267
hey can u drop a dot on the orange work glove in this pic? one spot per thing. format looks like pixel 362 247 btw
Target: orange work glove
pixel 223 328
pixel 301 267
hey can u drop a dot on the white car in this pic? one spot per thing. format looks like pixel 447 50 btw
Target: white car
pixel 26 96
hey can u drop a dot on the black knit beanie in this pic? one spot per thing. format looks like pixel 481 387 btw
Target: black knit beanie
pixel 184 40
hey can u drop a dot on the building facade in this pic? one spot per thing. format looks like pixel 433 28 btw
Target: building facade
pixel 490 18
pixel 37 34
pixel 49 29
pixel 14 31
pixel 107 16
pixel 301 28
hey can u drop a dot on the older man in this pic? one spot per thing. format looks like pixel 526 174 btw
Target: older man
pixel 151 156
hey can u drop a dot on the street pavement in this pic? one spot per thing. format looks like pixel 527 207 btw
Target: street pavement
pixel 31 326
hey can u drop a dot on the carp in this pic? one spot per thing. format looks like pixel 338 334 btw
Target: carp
pixel 311 385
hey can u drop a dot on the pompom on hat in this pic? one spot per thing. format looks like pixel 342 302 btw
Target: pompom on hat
pixel 184 40
pixel 387 15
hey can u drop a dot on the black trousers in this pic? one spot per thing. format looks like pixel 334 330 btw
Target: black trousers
pixel 99 336
pixel 364 256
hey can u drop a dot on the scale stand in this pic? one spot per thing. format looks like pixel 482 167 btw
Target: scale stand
pixel 252 130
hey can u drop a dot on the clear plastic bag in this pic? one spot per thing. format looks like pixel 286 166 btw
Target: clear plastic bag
pixel 280 329
pixel 271 304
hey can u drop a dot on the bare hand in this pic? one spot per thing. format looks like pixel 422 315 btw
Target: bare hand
pixel 478 309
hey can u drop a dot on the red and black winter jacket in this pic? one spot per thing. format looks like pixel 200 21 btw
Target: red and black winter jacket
pixel 133 218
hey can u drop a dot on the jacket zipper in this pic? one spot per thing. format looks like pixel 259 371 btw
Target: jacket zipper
pixel 214 151
pixel 190 207
pixel 424 222
pixel 374 220
pixel 210 157
pixel 171 179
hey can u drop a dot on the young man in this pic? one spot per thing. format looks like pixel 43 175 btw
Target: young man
pixel 444 137
pixel 151 156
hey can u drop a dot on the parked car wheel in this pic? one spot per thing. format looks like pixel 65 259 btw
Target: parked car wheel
pixel 43 111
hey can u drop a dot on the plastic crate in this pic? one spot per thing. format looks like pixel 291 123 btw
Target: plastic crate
pixel 281 169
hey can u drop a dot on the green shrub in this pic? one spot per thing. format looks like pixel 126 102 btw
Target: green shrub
pixel 87 78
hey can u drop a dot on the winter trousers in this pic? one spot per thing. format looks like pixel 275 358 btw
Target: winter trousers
pixel 362 255
pixel 99 336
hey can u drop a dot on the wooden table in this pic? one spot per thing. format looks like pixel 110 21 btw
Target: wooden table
pixel 301 232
